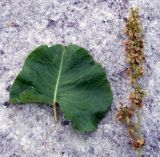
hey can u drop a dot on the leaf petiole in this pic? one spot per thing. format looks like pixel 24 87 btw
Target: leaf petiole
pixel 55 112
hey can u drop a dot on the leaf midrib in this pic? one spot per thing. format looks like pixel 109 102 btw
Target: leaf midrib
pixel 58 78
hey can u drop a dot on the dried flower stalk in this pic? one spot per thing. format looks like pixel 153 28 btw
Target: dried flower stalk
pixel 134 48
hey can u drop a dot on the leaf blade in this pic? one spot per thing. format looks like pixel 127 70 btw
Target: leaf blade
pixel 68 76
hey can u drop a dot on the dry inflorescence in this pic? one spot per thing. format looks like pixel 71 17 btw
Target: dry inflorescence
pixel 134 48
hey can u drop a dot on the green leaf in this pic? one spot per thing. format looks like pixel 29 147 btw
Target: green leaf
pixel 67 76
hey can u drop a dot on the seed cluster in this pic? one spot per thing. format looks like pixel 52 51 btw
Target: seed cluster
pixel 134 50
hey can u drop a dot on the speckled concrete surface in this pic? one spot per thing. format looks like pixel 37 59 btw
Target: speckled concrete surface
pixel 29 130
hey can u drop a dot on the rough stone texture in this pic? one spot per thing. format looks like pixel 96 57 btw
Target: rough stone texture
pixel 29 130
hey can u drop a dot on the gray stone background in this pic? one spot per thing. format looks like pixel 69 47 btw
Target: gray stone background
pixel 29 130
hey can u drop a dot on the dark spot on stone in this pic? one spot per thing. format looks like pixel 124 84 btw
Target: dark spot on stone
pixel 71 24
pixel 65 122
pixel 62 153
pixel 42 106
pixel 13 24
pixel 120 36
pixel 103 21
pixel 38 118
pixel 153 147
pixel 72 10
pixel 149 18
pixel 2 52
pixel 76 2
pixel 5 69
pixel 125 19
pixel 3 4
pixel 148 66
pixel 110 5
pixel 65 18
pixel 51 23
pixel 6 104
pixel 30 135
pixel 8 88
pixel 109 32
pixel 12 77
pixel 3 136
pixel 19 107
pixel 14 155
pixel 11 116
pixel 129 143
pixel 60 138
pixel 91 150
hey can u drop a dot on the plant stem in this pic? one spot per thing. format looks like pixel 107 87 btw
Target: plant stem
pixel 139 123
pixel 139 131
pixel 55 112
pixel 139 152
